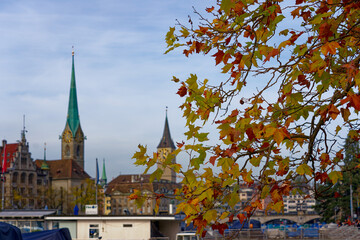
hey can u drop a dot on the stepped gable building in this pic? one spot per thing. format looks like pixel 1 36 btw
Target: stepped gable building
pixel 25 182
pixel 120 188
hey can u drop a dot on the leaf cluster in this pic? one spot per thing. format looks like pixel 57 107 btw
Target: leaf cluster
pixel 302 57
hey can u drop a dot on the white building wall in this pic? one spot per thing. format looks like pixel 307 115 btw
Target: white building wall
pixel 116 229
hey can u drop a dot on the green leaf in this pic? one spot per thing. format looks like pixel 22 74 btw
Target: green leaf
pixel 304 169
pixel 184 32
pixel 210 215
pixel 201 137
pixel 234 199
pixel 335 176
pixel 265 191
pixel 170 37
pixel 156 174
pixel 225 163
pixel 226 5
pixel 255 161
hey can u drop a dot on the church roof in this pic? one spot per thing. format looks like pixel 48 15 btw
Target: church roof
pixel 64 169
pixel 166 141
pixel 126 183
pixel 73 118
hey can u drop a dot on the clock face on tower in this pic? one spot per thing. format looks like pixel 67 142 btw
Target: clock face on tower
pixel 67 136
pixel 163 154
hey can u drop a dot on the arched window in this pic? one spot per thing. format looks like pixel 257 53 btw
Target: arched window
pixel 31 178
pixel 15 177
pixel 23 178
pixel 78 151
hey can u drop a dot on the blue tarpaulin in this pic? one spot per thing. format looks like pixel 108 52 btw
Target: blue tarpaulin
pixel 57 234
pixel 9 232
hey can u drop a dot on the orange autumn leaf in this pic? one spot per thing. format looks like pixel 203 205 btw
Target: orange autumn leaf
pixel 329 47
pixel 333 111
pixel 271 54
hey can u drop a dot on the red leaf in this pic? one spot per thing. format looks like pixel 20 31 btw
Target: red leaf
pixel 337 195
pixel 210 9
pixel 220 227
pixel 265 145
pixel 241 217
pixel 182 90
pixel 218 56
pixel 355 101
pixel 180 144
pixel 273 53
pixel 306 15
pixel 322 177
pixel 302 81
pixel 333 111
pixel 212 160
pixel 324 31
pixel 203 29
pixel 198 46
pixel 250 134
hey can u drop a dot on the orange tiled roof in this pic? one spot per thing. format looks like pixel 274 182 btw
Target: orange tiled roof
pixel 126 183
pixel 64 169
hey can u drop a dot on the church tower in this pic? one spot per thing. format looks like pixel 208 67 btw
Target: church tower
pixel 72 138
pixel 165 147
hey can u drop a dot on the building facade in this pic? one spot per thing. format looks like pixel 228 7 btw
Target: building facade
pixel 25 183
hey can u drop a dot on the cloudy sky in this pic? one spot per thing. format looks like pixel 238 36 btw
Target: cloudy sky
pixel 123 77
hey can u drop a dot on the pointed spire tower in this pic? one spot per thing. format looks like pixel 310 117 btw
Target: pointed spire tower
pixel 44 165
pixel 165 147
pixel 103 181
pixel 72 138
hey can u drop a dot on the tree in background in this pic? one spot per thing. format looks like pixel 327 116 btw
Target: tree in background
pixel 334 200
pixel 290 85
pixel 85 193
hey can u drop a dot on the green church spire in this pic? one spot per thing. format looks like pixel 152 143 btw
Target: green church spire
pixel 44 165
pixel 103 176
pixel 73 112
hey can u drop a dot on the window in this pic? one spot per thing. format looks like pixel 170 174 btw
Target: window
pixel 93 230
pixel 15 177
pixel 67 150
pixel 23 177
pixel 127 225
pixel 31 178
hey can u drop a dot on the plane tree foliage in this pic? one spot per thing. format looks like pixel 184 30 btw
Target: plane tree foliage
pixel 289 86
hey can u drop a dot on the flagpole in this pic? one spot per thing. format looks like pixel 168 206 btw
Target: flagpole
pixel 96 183
pixel 3 169
pixel 2 192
